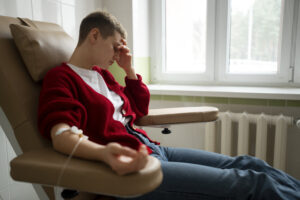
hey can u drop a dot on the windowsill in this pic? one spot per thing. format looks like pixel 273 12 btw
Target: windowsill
pixel 282 93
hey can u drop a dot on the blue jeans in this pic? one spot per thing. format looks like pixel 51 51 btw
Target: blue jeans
pixel 190 174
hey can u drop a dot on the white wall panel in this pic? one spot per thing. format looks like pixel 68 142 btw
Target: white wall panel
pixel 47 10
pixel 122 10
pixel 4 176
pixel 141 28
pixel 68 19
pixel 83 8
pixel 4 195
pixel 10 155
pixel 24 191
pixel 16 8
pixel 69 2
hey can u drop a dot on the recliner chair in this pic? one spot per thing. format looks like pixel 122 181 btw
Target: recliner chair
pixel 37 162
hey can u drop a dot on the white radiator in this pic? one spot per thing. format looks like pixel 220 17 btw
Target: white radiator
pixel 261 121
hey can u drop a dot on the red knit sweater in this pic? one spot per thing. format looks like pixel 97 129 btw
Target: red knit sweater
pixel 66 98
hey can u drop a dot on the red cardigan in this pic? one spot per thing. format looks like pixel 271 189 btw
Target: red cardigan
pixel 66 98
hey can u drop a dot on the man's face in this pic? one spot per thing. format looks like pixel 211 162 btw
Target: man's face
pixel 106 50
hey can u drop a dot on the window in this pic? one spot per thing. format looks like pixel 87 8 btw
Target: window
pixel 254 36
pixel 296 69
pixel 223 41
pixel 185 32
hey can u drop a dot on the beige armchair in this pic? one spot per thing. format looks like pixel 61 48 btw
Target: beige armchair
pixel 21 72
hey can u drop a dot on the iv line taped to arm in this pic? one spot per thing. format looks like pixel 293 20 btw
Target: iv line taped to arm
pixel 74 130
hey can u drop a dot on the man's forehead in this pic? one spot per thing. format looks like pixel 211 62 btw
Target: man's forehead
pixel 117 38
pixel 117 43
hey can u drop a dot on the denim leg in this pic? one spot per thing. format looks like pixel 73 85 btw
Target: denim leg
pixel 196 156
pixel 195 174
pixel 248 162
pixel 226 162
pixel 184 181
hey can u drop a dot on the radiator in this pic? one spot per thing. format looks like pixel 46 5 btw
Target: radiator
pixel 242 142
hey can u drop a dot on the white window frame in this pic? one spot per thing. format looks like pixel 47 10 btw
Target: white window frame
pixel 284 52
pixel 296 66
pixel 217 54
pixel 158 73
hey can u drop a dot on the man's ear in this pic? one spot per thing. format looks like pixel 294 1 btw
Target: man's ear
pixel 94 35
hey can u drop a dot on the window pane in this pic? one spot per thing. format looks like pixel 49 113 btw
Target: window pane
pixel 254 36
pixel 185 36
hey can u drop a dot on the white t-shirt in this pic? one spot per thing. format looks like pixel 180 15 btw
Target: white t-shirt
pixel 96 81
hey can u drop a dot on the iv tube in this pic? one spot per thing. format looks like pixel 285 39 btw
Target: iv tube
pixel 67 162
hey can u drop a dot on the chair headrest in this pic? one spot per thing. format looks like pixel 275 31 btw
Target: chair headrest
pixel 41 49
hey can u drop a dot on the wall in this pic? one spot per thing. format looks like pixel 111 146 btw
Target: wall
pixel 67 13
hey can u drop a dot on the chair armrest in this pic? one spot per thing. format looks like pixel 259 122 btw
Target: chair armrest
pixel 43 166
pixel 178 115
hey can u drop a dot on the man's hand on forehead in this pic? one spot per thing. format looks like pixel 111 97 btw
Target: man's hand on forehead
pixel 121 46
pixel 123 57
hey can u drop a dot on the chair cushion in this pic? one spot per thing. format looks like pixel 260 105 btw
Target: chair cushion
pixel 41 50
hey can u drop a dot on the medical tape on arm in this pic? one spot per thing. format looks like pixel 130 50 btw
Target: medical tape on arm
pixel 73 130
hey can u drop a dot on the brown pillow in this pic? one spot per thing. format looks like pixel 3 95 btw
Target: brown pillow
pixel 42 50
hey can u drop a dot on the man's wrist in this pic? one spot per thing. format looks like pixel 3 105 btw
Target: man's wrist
pixel 102 153
pixel 131 73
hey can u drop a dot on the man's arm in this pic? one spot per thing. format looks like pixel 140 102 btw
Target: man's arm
pixel 135 90
pixel 121 159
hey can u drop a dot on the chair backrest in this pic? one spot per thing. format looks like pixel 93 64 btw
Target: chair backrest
pixel 18 91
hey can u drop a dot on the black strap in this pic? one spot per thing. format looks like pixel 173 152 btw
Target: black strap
pixel 69 194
